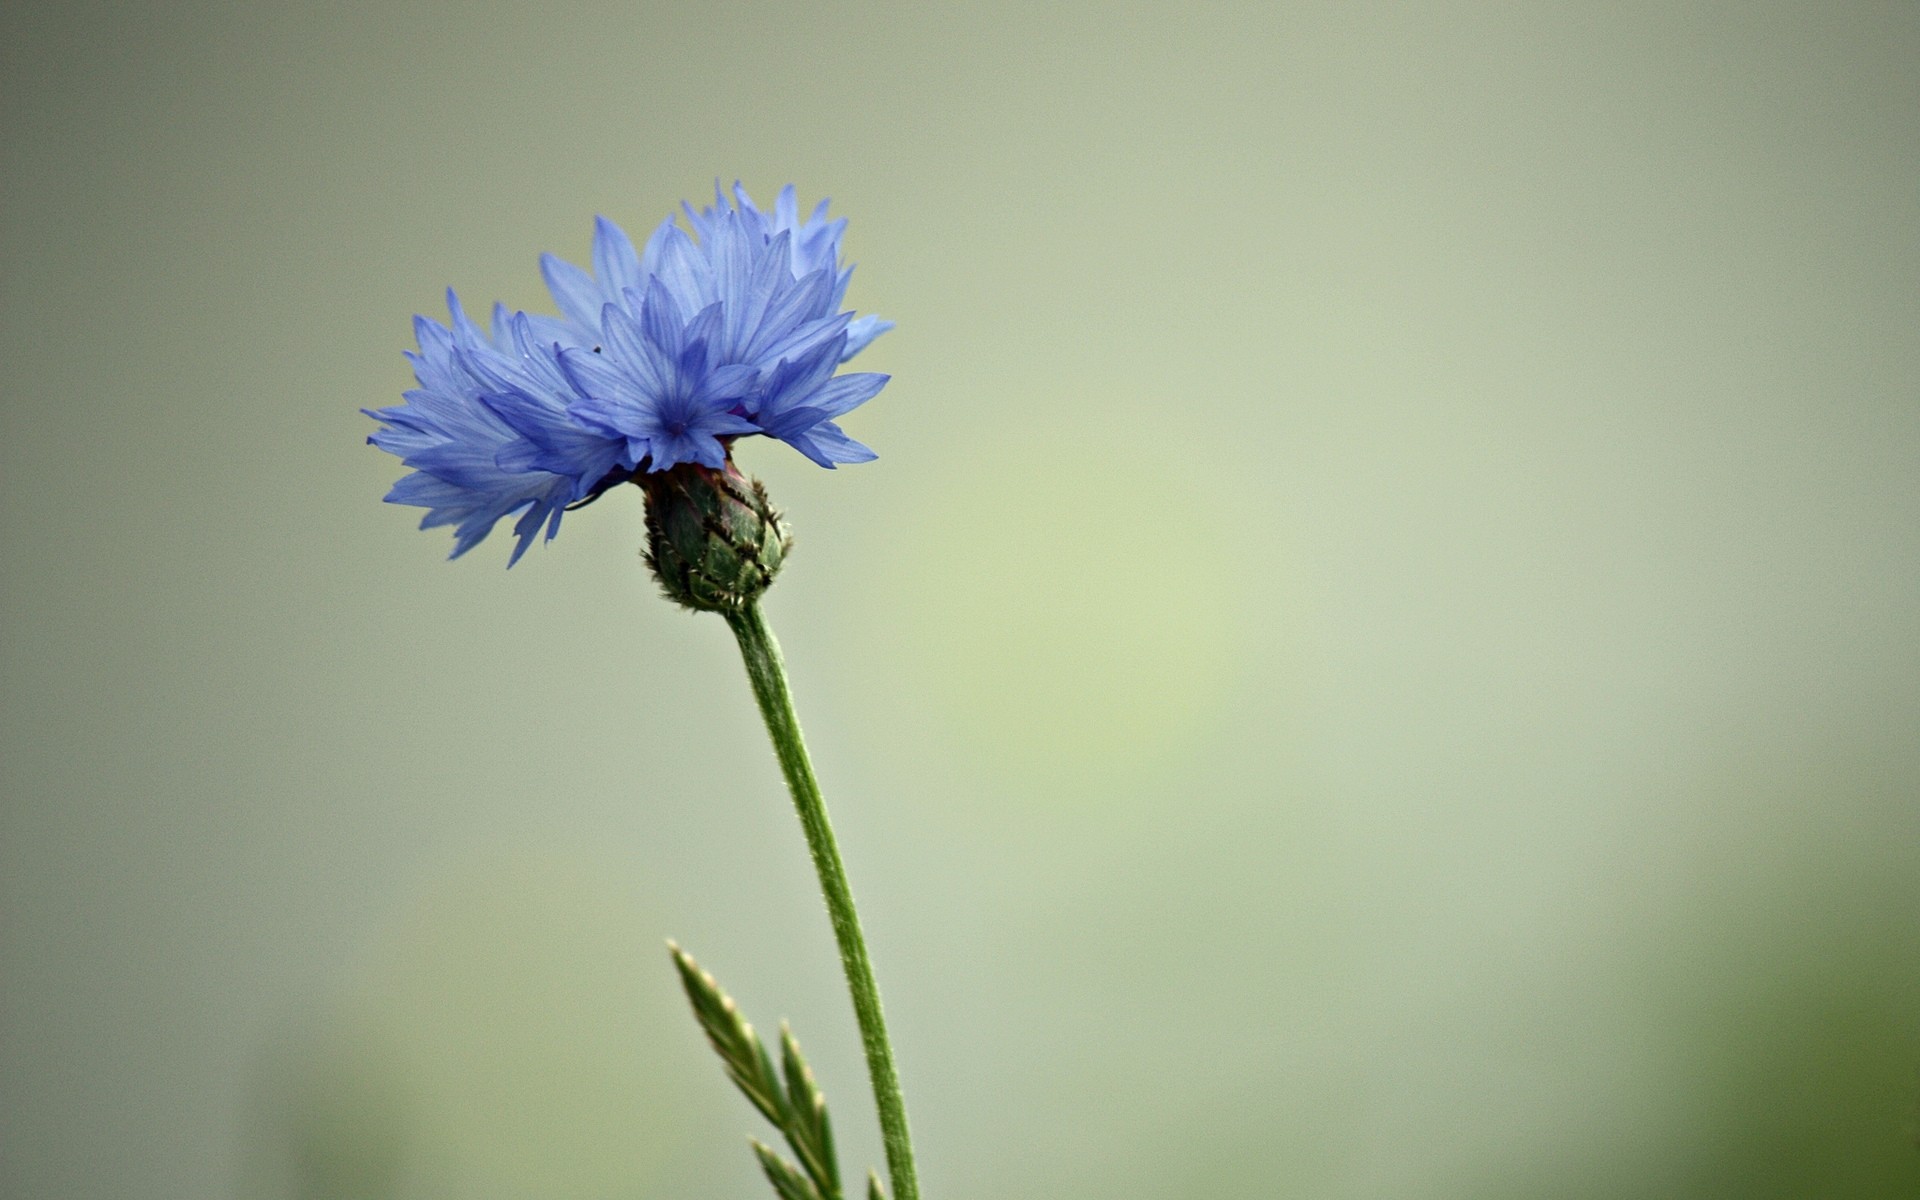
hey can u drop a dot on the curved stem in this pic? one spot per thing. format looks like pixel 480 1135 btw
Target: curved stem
pixel 769 677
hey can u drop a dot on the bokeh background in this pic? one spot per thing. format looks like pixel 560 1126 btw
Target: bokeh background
pixel 1380 657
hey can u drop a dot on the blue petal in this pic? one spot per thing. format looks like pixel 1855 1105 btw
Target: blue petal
pixel 732 381
pixel 627 347
pixel 615 264
pixel 681 271
pixel 662 320
pixel 573 290
pixel 862 332
pixel 592 373
pixel 828 446
pixel 844 393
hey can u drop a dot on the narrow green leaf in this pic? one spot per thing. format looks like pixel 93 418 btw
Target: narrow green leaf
pixel 732 1039
pixel 874 1190
pixel 785 1177
pixel 809 1131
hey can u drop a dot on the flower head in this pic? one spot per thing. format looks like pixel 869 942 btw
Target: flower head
pixel 660 357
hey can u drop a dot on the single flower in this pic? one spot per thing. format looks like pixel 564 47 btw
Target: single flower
pixel 659 357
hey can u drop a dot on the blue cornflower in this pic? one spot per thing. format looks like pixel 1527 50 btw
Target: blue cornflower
pixel 660 357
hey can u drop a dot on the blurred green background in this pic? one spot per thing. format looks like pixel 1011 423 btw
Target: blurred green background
pixel 1381 656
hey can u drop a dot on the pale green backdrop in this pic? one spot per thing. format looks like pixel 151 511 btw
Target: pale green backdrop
pixel 1380 657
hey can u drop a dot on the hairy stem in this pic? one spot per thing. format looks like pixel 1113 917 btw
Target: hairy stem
pixel 769 677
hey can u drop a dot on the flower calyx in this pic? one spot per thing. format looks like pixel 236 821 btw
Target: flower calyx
pixel 714 540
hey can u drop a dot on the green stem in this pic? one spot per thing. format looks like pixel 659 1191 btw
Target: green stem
pixel 769 677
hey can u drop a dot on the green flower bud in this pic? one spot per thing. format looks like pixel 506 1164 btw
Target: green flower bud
pixel 714 541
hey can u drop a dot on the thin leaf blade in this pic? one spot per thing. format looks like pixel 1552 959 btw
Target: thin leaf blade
pixel 785 1177
pixel 732 1038
pixel 809 1130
